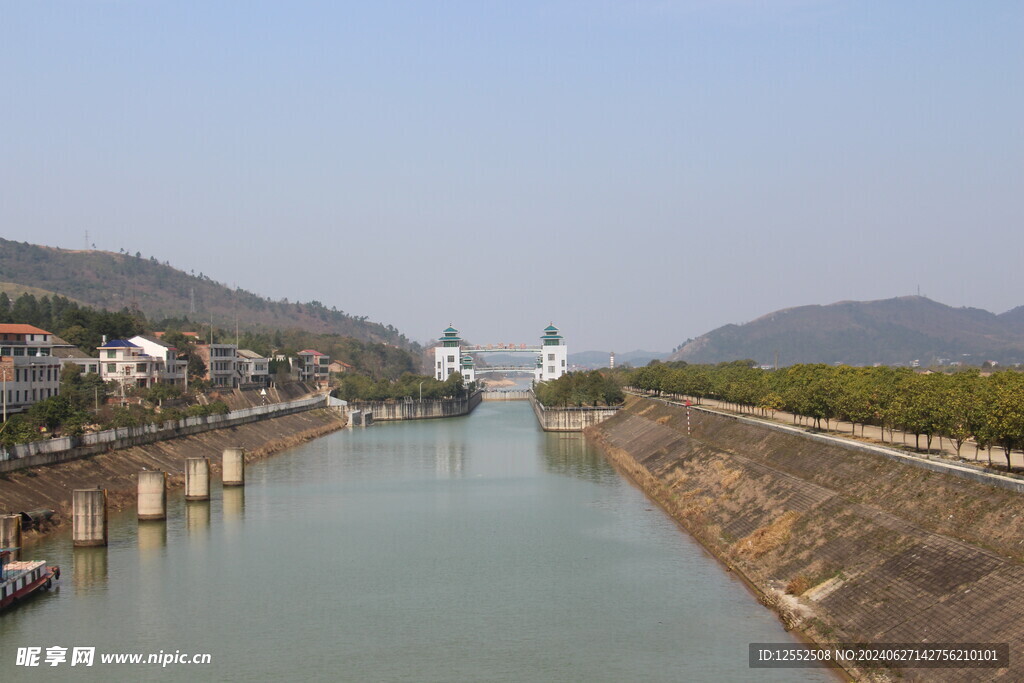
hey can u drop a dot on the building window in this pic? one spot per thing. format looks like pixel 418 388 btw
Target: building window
pixel 451 359
pixel 563 363
pixel 111 354
pixel 551 356
pixel 551 369
pixel 111 368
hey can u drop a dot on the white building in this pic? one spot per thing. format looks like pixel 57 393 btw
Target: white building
pixel 24 340
pixel 312 366
pixel 123 362
pixel 28 371
pixel 448 356
pixel 174 371
pixel 553 360
pixel 221 363
pixel 253 368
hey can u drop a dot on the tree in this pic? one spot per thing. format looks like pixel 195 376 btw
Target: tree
pixel 1005 411
pixel 960 407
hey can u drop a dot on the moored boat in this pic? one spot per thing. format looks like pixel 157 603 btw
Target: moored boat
pixel 20 579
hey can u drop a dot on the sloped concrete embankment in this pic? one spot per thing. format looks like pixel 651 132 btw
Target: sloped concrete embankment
pixel 51 486
pixel 846 545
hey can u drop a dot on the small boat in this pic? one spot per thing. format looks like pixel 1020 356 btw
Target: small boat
pixel 20 579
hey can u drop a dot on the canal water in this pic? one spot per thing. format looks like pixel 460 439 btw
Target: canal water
pixel 467 549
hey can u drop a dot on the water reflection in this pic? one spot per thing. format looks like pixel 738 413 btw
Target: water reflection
pixel 449 459
pixel 152 537
pixel 233 503
pixel 197 516
pixel 569 455
pixel 90 568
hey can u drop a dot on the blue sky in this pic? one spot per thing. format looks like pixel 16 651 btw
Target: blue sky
pixel 637 172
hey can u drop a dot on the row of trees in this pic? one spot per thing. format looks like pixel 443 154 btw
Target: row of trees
pixel 362 388
pixel 580 389
pixel 960 406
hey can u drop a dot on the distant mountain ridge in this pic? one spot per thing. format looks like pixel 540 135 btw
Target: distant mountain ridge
pixel 114 281
pixel 887 331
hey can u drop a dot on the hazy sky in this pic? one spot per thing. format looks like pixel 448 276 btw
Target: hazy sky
pixel 638 172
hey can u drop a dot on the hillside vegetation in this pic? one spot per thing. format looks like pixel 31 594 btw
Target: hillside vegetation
pixel 890 331
pixel 118 281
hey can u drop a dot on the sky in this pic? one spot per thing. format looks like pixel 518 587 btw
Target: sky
pixel 637 172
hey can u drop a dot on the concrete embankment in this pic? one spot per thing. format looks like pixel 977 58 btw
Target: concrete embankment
pixel 51 486
pixel 846 545
pixel 563 419
pixel 390 411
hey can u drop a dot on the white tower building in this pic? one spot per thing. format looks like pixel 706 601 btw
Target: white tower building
pixel 447 356
pixel 553 360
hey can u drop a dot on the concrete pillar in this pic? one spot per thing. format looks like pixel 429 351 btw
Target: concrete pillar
pixel 89 513
pixel 355 418
pixel 368 418
pixel 10 533
pixel 234 467
pixel 152 494
pixel 197 479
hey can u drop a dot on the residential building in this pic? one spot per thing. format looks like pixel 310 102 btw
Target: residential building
pixel 221 363
pixel 173 370
pixel 253 369
pixel 25 380
pixel 127 364
pixel 29 373
pixel 339 367
pixel 72 355
pixel 24 340
pixel 312 366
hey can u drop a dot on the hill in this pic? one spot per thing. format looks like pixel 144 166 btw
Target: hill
pixel 115 281
pixel 889 331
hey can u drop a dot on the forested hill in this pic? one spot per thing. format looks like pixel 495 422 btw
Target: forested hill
pixel 888 331
pixel 115 281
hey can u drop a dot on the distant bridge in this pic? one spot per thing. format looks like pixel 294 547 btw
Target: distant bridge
pixel 504 348
pixel 483 369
